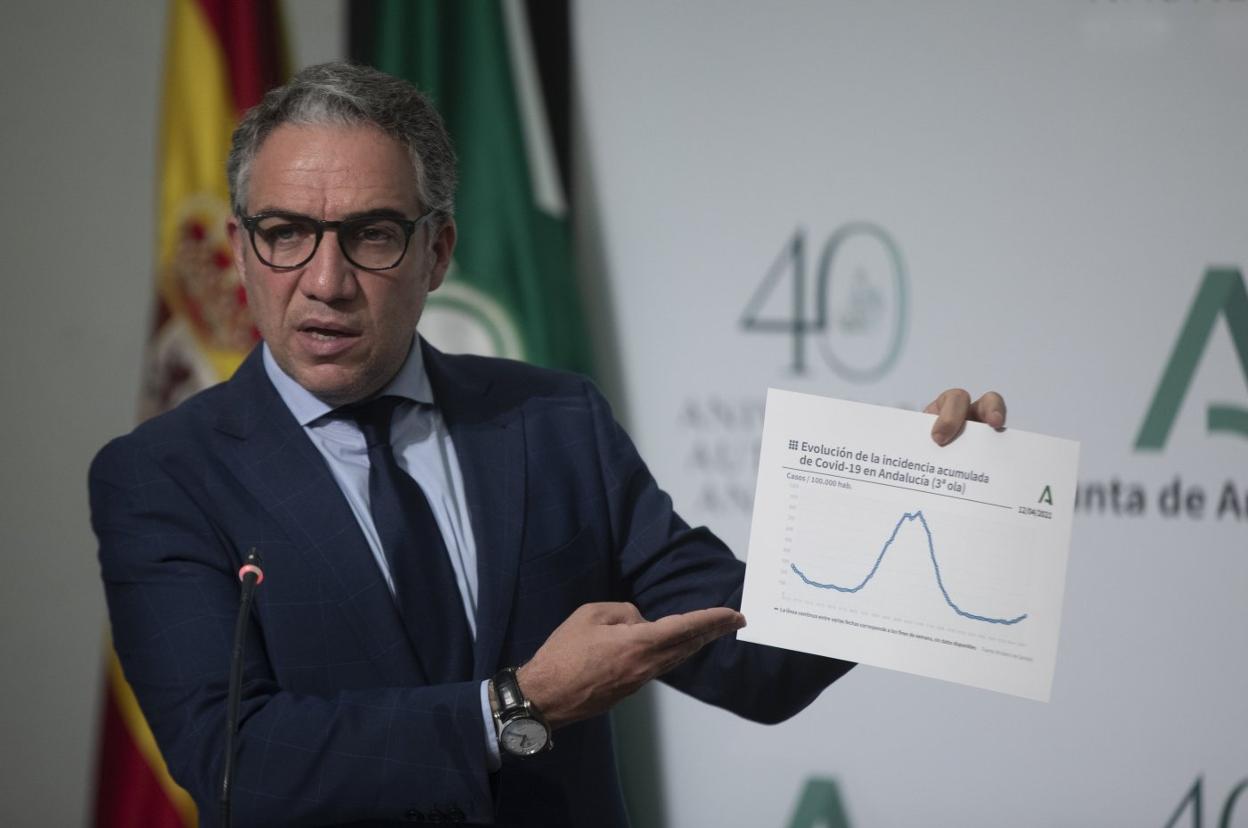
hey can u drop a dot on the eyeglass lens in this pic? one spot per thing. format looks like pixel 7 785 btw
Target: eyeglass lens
pixel 370 242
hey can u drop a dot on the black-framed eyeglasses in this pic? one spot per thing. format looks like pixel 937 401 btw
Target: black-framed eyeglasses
pixel 371 242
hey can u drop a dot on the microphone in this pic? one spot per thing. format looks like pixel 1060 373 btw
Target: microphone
pixel 251 575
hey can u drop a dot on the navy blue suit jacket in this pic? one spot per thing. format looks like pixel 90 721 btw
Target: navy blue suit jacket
pixel 339 724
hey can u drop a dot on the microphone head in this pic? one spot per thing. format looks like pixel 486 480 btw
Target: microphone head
pixel 251 565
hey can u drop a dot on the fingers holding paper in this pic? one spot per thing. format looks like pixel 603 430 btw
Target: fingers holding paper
pixel 954 408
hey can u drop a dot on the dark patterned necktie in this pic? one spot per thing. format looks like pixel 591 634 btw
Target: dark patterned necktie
pixel 424 582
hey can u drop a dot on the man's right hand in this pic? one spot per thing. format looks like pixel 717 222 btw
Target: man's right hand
pixel 604 652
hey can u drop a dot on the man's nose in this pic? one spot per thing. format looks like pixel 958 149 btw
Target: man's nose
pixel 329 277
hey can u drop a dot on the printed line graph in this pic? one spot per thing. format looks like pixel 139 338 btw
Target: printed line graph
pixel 931 548
pixel 869 545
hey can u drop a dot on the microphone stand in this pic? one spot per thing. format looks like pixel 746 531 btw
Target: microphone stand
pixel 251 575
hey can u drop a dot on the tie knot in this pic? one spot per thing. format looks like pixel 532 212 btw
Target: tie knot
pixel 373 418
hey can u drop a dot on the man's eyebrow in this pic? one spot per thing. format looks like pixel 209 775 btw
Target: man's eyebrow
pixel 379 212
pixel 277 211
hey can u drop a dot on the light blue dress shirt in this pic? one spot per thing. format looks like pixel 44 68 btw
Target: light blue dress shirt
pixel 422 446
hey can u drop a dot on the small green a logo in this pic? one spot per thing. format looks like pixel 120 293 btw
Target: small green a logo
pixel 820 806
pixel 1047 495
pixel 1221 292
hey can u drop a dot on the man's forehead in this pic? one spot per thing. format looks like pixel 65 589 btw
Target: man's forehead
pixel 345 168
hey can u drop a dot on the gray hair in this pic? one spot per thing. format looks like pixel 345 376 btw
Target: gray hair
pixel 343 94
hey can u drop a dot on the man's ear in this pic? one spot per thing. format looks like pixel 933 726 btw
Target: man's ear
pixel 238 245
pixel 443 247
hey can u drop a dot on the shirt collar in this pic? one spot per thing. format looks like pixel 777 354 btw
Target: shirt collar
pixel 411 382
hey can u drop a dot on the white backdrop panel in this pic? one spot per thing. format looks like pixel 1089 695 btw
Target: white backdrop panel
pixel 1057 177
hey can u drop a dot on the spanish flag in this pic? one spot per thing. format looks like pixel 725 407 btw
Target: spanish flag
pixel 222 56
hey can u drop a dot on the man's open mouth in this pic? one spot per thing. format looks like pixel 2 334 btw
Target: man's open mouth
pixel 326 333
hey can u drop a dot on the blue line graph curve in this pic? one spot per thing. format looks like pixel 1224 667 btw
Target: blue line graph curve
pixel 907 517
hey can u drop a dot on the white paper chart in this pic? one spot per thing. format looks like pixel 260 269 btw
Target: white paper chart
pixel 873 544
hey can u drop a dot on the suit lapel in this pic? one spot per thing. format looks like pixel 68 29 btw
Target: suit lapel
pixel 489 444
pixel 284 472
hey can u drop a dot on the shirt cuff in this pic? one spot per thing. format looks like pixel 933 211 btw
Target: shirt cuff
pixel 493 761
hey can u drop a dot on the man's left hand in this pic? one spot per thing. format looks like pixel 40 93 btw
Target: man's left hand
pixel 954 408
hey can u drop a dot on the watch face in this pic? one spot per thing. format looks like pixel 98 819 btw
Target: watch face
pixel 523 737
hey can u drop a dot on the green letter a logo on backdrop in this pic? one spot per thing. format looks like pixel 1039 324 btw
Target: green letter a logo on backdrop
pixel 1221 292
pixel 820 806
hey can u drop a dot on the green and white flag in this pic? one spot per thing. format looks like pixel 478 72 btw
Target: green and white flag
pixel 511 290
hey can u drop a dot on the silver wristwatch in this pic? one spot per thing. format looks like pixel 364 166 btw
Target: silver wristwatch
pixel 519 724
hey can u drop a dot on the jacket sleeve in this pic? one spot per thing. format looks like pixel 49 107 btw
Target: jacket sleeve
pixel 372 753
pixel 666 567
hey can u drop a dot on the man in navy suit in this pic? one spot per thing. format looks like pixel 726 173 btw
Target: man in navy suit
pixel 559 553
